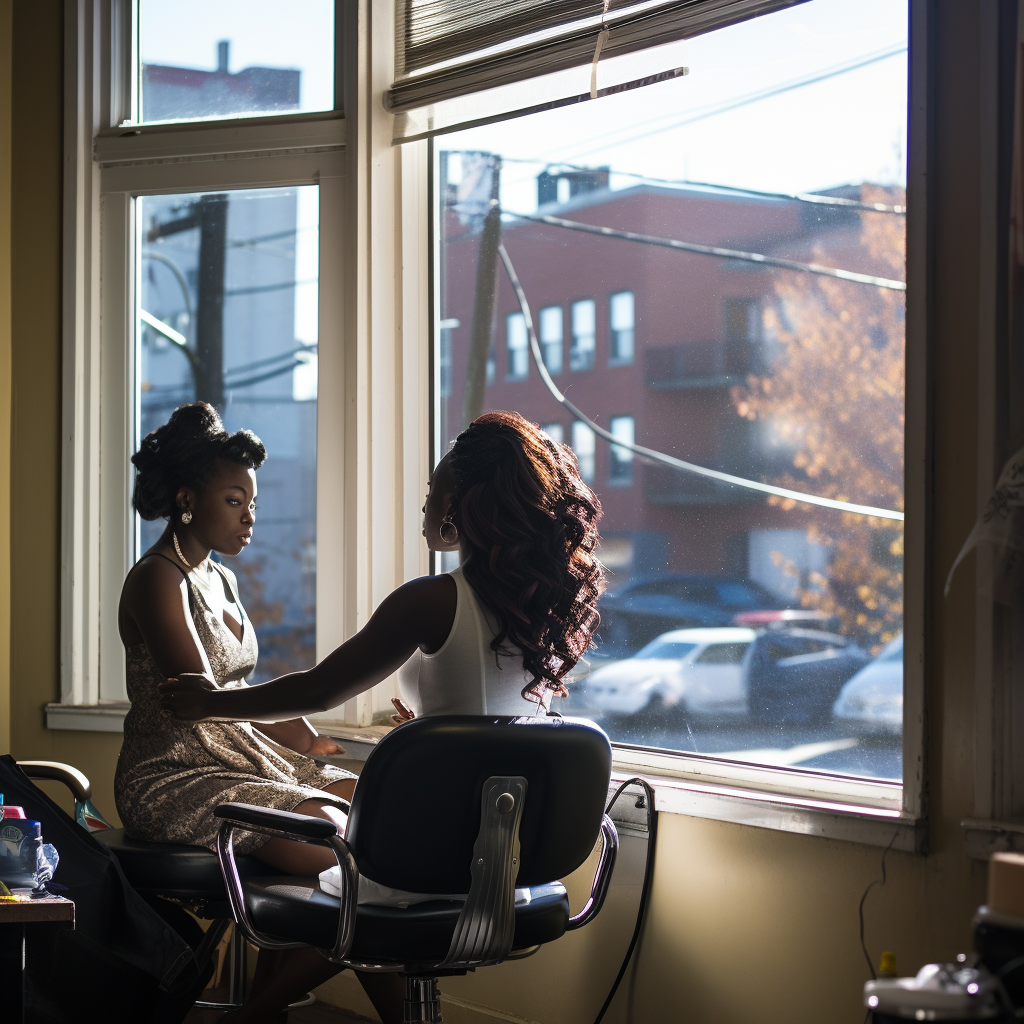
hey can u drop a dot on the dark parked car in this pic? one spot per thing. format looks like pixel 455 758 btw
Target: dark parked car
pixel 795 675
pixel 647 606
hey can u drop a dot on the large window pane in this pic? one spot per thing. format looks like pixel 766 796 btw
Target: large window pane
pixel 230 58
pixel 747 626
pixel 228 314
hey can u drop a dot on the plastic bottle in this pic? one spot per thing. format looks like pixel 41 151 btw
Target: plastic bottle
pixel 10 810
pixel 887 965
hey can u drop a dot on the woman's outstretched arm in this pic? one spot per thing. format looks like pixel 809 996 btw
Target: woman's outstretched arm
pixel 418 615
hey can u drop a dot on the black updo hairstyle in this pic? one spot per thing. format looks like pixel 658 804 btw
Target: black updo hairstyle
pixel 182 452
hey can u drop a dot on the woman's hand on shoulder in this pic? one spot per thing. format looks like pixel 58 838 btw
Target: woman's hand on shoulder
pixel 188 697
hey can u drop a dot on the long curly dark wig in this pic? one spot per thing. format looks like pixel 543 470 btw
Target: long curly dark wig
pixel 531 526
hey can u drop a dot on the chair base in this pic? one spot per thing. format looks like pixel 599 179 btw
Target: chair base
pixel 422 1000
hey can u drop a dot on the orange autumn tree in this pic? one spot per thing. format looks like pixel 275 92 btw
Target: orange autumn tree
pixel 833 394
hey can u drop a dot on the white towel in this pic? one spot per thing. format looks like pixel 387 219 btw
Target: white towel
pixel 371 892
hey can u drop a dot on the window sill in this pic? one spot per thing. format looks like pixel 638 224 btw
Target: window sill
pixel 985 836
pixel 787 800
pixel 105 717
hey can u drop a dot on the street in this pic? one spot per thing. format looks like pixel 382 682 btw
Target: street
pixel 824 747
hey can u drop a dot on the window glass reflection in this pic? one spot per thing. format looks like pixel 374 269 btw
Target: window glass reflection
pixel 228 314
pixel 738 624
pixel 234 58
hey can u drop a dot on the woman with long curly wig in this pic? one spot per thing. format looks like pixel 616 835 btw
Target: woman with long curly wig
pixel 497 636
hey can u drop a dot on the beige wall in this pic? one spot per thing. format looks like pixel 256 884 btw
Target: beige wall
pixel 747 926
pixel 35 438
pixel 6 21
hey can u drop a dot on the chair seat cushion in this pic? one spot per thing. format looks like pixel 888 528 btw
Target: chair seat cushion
pixel 296 910
pixel 175 870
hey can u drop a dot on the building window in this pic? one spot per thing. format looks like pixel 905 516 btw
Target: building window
pixel 620 460
pixel 584 335
pixel 555 431
pixel 742 334
pixel 444 357
pixel 622 320
pixel 551 338
pixel 584 444
pixel 517 344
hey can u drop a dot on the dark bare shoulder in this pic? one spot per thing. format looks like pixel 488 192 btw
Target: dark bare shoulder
pixel 426 606
pixel 154 584
pixel 431 588
pixel 154 573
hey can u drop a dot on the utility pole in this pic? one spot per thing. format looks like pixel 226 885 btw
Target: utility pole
pixel 210 215
pixel 483 301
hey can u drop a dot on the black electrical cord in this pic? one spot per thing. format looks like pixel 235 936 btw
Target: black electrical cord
pixel 860 909
pixel 645 891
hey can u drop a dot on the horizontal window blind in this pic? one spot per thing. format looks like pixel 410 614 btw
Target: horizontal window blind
pixel 451 48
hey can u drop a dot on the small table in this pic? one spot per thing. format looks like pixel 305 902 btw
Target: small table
pixel 20 918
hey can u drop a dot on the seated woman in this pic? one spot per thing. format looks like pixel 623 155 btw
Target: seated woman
pixel 495 636
pixel 181 612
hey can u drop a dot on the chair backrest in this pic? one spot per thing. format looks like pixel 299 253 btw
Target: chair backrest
pixel 416 811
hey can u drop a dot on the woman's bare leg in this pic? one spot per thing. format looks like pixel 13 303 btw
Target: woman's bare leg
pixel 284 976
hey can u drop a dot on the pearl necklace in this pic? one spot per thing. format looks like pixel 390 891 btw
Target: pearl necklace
pixel 193 569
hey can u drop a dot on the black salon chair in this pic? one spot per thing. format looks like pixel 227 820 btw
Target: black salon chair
pixel 188 876
pixel 476 805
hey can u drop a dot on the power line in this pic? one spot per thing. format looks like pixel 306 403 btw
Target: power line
pixel 661 457
pixel 713 250
pixel 754 97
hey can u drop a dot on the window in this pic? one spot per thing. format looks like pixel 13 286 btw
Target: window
pixel 584 335
pixel 555 431
pixel 621 318
pixel 444 357
pixel 722 654
pixel 517 344
pixel 620 460
pixel 204 269
pixel 235 58
pixel 744 336
pixel 584 444
pixel 551 338
pixel 228 315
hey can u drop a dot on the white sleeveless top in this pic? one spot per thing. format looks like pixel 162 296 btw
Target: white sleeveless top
pixel 465 677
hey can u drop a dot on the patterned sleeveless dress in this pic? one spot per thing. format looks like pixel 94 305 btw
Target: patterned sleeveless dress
pixel 171 775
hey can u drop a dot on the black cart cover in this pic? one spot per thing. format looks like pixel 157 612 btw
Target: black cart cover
pixel 123 961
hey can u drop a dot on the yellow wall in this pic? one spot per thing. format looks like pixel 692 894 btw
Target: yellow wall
pixel 6 20
pixel 37 131
pixel 747 926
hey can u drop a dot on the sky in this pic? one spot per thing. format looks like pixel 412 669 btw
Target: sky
pixel 848 128
pixel 185 33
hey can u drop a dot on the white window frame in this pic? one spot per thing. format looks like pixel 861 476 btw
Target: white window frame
pixel 372 379
pixel 875 812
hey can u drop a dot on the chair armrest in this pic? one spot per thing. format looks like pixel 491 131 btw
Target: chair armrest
pixel 296 825
pixel 602 876
pixel 75 780
pixel 302 828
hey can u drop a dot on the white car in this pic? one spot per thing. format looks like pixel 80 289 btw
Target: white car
pixel 700 670
pixel 871 702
